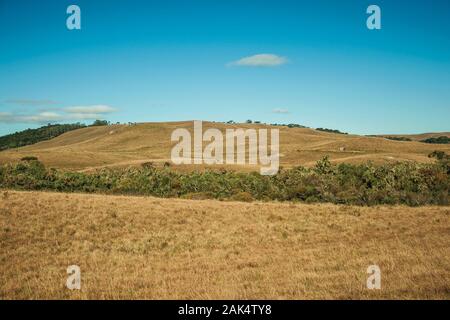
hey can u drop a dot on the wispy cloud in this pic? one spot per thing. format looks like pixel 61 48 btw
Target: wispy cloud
pixel 260 60
pixel 5 117
pixel 30 102
pixel 76 113
pixel 90 109
pixel 39 117
pixel 280 110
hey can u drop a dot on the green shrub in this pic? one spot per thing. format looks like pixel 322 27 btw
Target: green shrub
pixel 365 184
pixel 29 158
pixel 398 138
pixel 99 123
pixel 440 155
pixel 330 130
pixel 148 164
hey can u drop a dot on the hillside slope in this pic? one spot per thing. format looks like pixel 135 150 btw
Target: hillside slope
pixel 123 145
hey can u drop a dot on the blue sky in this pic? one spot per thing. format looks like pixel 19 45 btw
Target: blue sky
pixel 177 60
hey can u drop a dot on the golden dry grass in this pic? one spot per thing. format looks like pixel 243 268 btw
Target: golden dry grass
pixel 142 247
pixel 122 145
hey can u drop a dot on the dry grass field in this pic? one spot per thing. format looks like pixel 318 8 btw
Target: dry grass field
pixel 124 145
pixel 142 247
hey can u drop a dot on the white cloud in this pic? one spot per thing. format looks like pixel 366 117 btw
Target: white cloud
pixel 77 113
pixel 29 102
pixel 40 117
pixel 90 109
pixel 280 110
pixel 7 117
pixel 260 60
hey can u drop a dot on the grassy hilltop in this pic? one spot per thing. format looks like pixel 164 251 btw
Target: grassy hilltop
pixel 124 145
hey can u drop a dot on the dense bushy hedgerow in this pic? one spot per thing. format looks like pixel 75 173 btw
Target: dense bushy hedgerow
pixel 366 184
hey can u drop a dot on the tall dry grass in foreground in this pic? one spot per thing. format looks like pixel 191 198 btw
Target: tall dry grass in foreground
pixel 136 247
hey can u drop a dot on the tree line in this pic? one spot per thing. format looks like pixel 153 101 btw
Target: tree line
pixel 32 136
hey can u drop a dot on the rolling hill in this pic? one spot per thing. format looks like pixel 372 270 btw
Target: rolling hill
pixel 123 145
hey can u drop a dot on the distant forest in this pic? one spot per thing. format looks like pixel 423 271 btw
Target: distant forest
pixel 399 138
pixel 438 140
pixel 331 130
pixel 32 136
